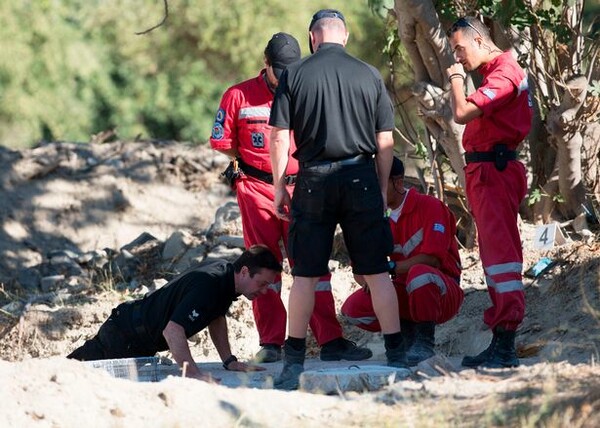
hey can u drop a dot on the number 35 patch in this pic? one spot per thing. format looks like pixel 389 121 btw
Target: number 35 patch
pixel 258 139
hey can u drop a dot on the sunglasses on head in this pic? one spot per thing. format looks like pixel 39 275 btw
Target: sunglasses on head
pixel 461 23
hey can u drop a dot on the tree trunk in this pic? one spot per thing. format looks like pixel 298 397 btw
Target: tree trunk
pixel 424 39
pixel 563 126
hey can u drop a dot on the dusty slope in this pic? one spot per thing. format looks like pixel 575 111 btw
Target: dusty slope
pixel 64 196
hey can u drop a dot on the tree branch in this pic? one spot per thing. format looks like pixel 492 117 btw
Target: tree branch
pixel 166 15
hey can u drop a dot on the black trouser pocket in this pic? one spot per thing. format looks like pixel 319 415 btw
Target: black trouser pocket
pixel 309 197
pixel 366 194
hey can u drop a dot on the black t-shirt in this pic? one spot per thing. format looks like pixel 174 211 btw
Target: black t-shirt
pixel 193 300
pixel 335 104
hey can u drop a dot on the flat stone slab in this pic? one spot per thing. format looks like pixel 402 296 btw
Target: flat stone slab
pixel 320 376
pixel 359 378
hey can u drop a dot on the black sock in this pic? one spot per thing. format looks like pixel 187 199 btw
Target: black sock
pixel 392 341
pixel 296 343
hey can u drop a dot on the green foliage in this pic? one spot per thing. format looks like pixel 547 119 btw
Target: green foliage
pixel 536 196
pixel 594 88
pixel 520 13
pixel 73 68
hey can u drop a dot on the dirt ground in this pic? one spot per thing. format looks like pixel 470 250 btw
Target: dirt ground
pixel 80 198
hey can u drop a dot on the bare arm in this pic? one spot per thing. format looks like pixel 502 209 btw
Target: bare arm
pixel 279 148
pixel 218 334
pixel 463 111
pixel 422 259
pixel 383 159
pixel 176 339
pixel 403 267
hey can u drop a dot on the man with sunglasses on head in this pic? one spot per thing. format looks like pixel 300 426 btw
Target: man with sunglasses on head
pixel 342 119
pixel 497 118
pixel 241 130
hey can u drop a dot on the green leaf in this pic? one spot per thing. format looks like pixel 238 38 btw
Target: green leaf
pixel 594 88
pixel 534 197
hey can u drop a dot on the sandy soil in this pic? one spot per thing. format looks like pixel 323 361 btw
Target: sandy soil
pixel 65 196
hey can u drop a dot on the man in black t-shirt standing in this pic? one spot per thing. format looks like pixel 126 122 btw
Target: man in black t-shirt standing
pixel 165 318
pixel 342 120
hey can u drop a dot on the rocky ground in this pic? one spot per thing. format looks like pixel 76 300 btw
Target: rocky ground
pixel 87 226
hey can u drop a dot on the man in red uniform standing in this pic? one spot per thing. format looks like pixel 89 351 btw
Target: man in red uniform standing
pixel 426 269
pixel 241 130
pixel 497 117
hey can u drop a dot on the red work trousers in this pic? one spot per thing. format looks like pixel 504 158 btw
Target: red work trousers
pixel 261 226
pixel 494 197
pixel 428 295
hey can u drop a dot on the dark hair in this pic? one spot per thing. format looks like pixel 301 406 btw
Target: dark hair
pixel 471 26
pixel 255 258
pixel 397 169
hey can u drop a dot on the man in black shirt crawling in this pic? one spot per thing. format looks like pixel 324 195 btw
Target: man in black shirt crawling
pixel 165 318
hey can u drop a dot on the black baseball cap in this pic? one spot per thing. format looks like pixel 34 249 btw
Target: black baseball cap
pixel 282 50
pixel 397 169
pixel 326 13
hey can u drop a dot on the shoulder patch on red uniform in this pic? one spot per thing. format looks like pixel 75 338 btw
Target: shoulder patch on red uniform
pixel 220 117
pixel 438 227
pixel 489 93
pixel 217 131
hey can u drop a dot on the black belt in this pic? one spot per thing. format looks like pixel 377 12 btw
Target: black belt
pixel 250 171
pixel 500 156
pixel 353 160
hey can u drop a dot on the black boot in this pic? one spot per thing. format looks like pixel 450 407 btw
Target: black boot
pixel 505 354
pixel 500 353
pixel 268 353
pixel 423 345
pixel 396 357
pixel 344 349
pixel 482 357
pixel 407 328
pixel 293 366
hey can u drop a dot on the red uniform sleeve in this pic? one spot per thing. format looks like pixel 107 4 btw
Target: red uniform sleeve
pixel 224 131
pixel 496 90
pixel 437 233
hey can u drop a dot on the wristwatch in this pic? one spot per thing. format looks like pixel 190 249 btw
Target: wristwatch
pixel 392 267
pixel 228 361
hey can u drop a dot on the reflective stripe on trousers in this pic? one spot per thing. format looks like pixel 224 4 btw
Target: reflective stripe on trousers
pixel 424 279
pixel 508 285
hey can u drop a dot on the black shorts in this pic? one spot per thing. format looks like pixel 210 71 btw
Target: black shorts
pixel 348 195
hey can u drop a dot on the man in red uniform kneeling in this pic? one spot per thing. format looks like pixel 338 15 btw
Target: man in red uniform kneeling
pixel 426 268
